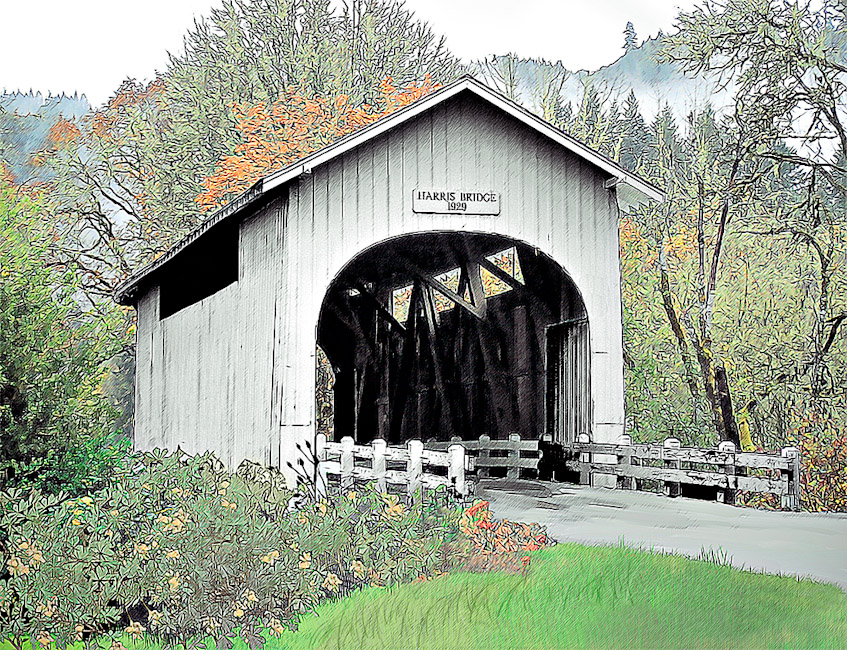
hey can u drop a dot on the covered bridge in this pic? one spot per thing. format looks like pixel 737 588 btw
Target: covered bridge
pixel 457 261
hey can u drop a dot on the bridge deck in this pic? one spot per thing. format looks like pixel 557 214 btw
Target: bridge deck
pixel 803 544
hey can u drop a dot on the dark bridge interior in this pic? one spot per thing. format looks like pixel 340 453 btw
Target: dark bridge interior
pixel 453 334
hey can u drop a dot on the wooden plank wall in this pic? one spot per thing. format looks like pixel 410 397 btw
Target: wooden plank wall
pixel 236 372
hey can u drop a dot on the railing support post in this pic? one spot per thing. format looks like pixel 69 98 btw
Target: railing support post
pixel 625 461
pixel 456 470
pixel 320 467
pixel 671 488
pixel 378 464
pixel 514 471
pixel 791 478
pixel 585 472
pixel 483 455
pixel 415 467
pixel 727 494
pixel 346 463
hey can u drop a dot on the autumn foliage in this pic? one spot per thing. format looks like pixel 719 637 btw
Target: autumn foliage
pixel 292 127
pixel 62 133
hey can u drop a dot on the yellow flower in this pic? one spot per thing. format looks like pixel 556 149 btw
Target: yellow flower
pixel 44 639
pixel 352 495
pixel 172 554
pixel 163 519
pixel 175 525
pixel 114 513
pixel 135 630
pixel 174 582
pixel 142 549
pixel 36 557
pixel 276 627
pixel 16 567
pixel 46 609
pixel 394 511
pixel 322 507
pixel 77 511
pixel 250 595
pixel 76 522
pixel 332 582
pixel 228 504
pixel 24 545
pixel 87 500
pixel 358 568
pixel 305 561
pixel 270 558
pixel 238 613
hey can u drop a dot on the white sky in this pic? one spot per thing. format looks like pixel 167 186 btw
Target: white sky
pixel 90 46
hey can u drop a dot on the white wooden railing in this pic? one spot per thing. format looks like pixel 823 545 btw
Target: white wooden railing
pixel 353 463
pixel 481 449
pixel 628 462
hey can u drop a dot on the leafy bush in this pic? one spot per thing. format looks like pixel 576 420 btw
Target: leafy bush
pixel 823 468
pixel 56 425
pixel 179 548
pixel 490 545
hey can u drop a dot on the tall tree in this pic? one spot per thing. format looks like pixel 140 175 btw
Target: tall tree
pixel 55 422
pixel 787 63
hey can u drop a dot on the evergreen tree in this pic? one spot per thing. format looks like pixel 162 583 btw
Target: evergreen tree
pixel 630 38
pixel 634 143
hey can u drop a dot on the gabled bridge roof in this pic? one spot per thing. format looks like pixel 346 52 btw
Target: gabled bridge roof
pixel 631 189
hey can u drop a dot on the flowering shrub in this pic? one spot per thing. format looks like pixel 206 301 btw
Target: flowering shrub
pixel 489 545
pixel 180 548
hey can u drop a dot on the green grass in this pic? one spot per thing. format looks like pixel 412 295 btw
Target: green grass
pixel 584 597
pixel 587 597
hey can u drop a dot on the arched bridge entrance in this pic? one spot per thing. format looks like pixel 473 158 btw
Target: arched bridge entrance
pixel 448 334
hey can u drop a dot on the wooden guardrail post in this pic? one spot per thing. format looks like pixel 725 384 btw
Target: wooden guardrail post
pixel 483 455
pixel 456 469
pixel 585 472
pixel 625 460
pixel 671 488
pixel 514 471
pixel 727 494
pixel 347 463
pixel 378 464
pixel 791 479
pixel 320 467
pixel 415 467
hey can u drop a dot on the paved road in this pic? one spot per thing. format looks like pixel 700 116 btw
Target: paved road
pixel 804 544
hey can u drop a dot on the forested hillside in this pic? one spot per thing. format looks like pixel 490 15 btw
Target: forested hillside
pixel 735 289
pixel 28 125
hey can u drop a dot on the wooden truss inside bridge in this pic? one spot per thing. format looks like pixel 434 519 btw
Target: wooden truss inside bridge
pixel 438 335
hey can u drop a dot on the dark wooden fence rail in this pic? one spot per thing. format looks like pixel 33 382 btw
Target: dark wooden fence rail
pixel 628 462
pixel 515 460
pixel 339 459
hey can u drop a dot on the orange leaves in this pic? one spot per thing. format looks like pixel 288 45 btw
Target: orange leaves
pixel 292 127
pixel 62 133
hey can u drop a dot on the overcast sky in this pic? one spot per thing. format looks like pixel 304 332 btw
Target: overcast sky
pixel 90 46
